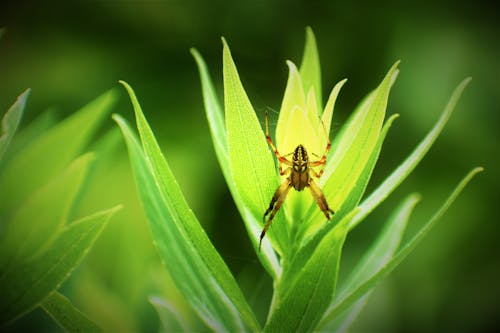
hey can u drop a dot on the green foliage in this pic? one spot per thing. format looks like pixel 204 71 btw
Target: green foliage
pixel 194 264
pixel 69 318
pixel 51 152
pixel 250 160
pixel 11 120
pixel 170 318
pixel 301 252
pixel 41 241
pixel 217 125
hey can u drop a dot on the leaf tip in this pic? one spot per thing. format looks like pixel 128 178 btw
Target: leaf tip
pixel 292 67
pixel 415 198
pixel 125 84
pixel 194 52
pixel 310 37
pixel 197 58
pixel 393 117
pixel 21 99
pixel 465 82
pixel 225 46
pixel 339 85
pixel 116 117
pixel 477 170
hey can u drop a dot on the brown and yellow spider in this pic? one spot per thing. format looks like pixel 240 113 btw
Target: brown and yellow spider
pixel 299 170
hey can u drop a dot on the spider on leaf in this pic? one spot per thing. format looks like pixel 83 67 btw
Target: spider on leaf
pixel 300 175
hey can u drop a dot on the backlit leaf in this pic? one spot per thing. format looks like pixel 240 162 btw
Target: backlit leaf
pixel 66 315
pixel 310 69
pixel 217 125
pixel 374 259
pixel 251 160
pixel 11 120
pixel 194 264
pixel 51 152
pixel 409 164
pixel 29 282
pixel 39 219
pixel 302 300
pixel 361 288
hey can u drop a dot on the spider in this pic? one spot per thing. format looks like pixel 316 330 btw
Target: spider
pixel 300 172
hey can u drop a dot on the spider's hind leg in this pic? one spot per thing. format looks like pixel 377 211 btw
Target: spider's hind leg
pixel 275 205
pixel 320 199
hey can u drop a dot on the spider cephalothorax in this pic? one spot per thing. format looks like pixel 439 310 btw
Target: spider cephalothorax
pixel 299 171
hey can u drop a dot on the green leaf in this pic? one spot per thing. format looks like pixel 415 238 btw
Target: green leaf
pixel 353 295
pixel 29 133
pixel 214 114
pixel 66 315
pixel 170 319
pixel 310 69
pixel 357 191
pixel 356 145
pixel 294 98
pixel 311 241
pixel 195 266
pixel 326 118
pixel 11 120
pixel 50 153
pixel 302 302
pixel 40 218
pixel 30 282
pixel 373 261
pixel 219 136
pixel 409 164
pixel 250 159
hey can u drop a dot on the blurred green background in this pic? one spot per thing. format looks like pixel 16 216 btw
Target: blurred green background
pixel 70 52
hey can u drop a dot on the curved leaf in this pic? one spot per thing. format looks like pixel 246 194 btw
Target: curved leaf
pixel 250 159
pixel 311 241
pixel 195 266
pixel 310 69
pixel 30 282
pixel 35 224
pixel 302 302
pixel 353 295
pixel 409 164
pixel 66 315
pixel 51 152
pixel 219 136
pixel 11 120
pixel 356 145
pixel 171 320
pixel 374 259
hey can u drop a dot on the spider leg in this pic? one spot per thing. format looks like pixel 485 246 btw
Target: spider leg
pixel 281 158
pixel 320 199
pixel 317 174
pixel 321 162
pixel 275 205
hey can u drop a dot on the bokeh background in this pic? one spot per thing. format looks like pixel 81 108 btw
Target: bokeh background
pixel 71 52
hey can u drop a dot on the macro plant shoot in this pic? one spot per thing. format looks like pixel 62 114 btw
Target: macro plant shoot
pixel 298 183
pixel 298 237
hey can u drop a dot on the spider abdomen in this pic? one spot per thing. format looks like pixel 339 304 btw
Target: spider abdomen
pixel 299 180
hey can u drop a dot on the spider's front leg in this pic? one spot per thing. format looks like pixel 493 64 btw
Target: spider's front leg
pixel 281 159
pixel 321 162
